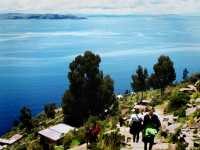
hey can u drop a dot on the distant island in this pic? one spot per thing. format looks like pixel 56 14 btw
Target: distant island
pixel 15 16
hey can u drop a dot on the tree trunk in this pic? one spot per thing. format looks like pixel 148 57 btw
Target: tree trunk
pixel 142 95
pixel 162 91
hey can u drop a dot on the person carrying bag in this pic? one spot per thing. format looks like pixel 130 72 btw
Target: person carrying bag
pixel 151 127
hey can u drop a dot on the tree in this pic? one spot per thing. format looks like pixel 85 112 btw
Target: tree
pixel 49 110
pixel 185 74
pixel 164 73
pixel 89 93
pixel 26 118
pixel 140 80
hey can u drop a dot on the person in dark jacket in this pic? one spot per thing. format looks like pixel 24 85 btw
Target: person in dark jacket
pixel 151 125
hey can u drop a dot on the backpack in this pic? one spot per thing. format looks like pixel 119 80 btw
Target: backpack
pixel 136 124
pixel 149 132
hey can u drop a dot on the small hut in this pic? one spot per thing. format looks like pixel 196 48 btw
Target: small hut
pixel 54 134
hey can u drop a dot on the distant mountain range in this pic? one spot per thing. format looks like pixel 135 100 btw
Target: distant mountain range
pixel 15 16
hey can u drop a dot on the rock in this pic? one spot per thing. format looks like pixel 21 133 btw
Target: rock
pixel 192 87
pixel 189 89
pixel 190 110
pixel 172 128
pixel 197 100
pixel 161 146
pixel 189 105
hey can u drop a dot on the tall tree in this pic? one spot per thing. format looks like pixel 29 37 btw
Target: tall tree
pixel 164 73
pixel 140 80
pixel 26 118
pixel 185 74
pixel 90 92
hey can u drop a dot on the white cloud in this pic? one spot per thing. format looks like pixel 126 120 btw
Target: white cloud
pixel 103 6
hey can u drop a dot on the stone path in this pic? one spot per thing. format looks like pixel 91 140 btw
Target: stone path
pixel 140 146
pixel 136 146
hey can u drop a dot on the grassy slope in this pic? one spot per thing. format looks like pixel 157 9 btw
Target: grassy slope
pixel 32 139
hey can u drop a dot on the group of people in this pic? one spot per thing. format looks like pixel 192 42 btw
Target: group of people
pixel 148 123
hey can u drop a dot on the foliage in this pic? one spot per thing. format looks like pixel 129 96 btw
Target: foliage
pixel 21 147
pixel 59 147
pixel 164 73
pixel 114 109
pixel 90 92
pixel 140 80
pixel 68 140
pixel 110 141
pixel 35 145
pixel 26 118
pixel 49 110
pixel 75 142
pixel 74 138
pixel 173 138
pixel 195 95
pixel 178 100
pixel 180 112
pixel 196 114
pixel 181 145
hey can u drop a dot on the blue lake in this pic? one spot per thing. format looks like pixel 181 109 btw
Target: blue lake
pixel 35 54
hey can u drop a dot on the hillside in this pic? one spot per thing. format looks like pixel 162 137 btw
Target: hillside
pixel 177 121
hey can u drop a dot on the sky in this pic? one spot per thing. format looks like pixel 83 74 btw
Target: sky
pixel 103 6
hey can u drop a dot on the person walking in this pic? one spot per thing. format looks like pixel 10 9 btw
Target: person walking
pixel 92 135
pixel 151 125
pixel 136 125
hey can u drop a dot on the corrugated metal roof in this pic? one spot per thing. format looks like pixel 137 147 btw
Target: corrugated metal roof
pixel 56 132
pixel 11 140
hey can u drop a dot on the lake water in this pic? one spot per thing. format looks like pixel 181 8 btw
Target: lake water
pixel 35 54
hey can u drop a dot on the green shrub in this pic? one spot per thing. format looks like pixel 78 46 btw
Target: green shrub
pixel 180 112
pixel 74 138
pixel 75 142
pixel 21 147
pixel 36 145
pixel 195 95
pixel 49 110
pixel 68 140
pixel 181 145
pixel 26 118
pixel 91 121
pixel 110 141
pixel 58 147
pixel 178 100
pixel 81 135
pixel 197 114
pixel 173 138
